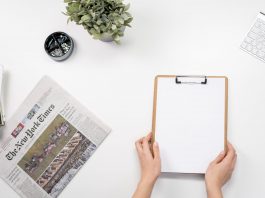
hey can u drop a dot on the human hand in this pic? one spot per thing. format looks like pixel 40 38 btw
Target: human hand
pixel 150 164
pixel 220 170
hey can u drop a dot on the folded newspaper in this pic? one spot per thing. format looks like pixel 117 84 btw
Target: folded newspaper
pixel 47 141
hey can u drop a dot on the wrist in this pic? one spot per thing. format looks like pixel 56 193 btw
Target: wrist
pixel 214 191
pixel 144 189
pixel 147 182
pixel 212 184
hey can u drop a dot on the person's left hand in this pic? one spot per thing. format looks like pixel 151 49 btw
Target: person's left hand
pixel 150 165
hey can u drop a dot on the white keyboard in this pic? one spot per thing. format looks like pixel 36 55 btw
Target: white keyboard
pixel 254 43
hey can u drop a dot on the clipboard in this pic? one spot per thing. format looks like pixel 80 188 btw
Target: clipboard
pixel 189 121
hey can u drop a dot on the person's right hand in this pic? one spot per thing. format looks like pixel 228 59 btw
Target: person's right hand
pixel 150 164
pixel 220 171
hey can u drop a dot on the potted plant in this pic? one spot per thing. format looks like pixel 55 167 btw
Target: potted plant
pixel 105 20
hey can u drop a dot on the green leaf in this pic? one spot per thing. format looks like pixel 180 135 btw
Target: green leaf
pixel 85 1
pixel 127 7
pixel 96 36
pixel 69 19
pixel 74 7
pixel 113 27
pixel 99 22
pixel 96 28
pixel 129 20
pixel 121 21
pixel 93 31
pixel 128 14
pixel 125 17
pixel 85 18
pixel 102 28
pixel 116 39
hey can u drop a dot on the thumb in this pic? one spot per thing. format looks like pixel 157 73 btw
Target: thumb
pixel 156 150
pixel 219 158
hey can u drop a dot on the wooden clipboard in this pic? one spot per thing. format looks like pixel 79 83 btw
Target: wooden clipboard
pixel 156 92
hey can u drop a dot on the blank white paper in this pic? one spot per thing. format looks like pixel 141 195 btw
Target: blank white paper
pixel 190 124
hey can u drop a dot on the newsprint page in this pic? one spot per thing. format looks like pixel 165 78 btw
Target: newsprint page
pixel 47 141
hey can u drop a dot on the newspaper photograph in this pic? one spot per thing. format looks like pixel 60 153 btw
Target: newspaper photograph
pixel 47 141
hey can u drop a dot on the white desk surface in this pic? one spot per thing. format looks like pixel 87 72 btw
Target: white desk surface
pixel 116 83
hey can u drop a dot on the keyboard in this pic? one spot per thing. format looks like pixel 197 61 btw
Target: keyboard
pixel 254 42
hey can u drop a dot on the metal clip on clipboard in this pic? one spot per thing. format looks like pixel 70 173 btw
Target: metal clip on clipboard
pixel 191 80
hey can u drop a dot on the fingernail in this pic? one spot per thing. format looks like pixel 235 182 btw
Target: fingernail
pixel 222 153
pixel 156 144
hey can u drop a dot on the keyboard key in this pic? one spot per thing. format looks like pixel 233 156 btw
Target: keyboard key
pixel 261 21
pixel 260 40
pixel 248 40
pixel 254 51
pixel 262 27
pixel 260 33
pixel 249 48
pixel 255 30
pixel 252 35
pixel 259 46
pixel 254 42
pixel 258 24
pixel 260 54
pixel 244 45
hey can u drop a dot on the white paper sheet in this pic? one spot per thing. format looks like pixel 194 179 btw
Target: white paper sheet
pixel 190 124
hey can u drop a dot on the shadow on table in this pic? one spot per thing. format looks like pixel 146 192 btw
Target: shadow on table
pixel 183 176
pixel 3 95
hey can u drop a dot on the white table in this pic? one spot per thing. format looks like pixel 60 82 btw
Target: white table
pixel 116 83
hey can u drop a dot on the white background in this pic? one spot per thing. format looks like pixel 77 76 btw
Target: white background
pixel 116 82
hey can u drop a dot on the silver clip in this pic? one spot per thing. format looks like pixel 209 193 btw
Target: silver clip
pixel 199 80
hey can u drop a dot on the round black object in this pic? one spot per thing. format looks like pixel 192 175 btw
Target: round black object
pixel 59 46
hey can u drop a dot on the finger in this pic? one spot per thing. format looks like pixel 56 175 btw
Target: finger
pixel 231 153
pixel 231 147
pixel 138 145
pixel 234 162
pixel 149 137
pixel 146 147
pixel 219 158
pixel 145 142
pixel 140 140
pixel 156 151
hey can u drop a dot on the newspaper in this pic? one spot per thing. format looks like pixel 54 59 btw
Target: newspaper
pixel 47 141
